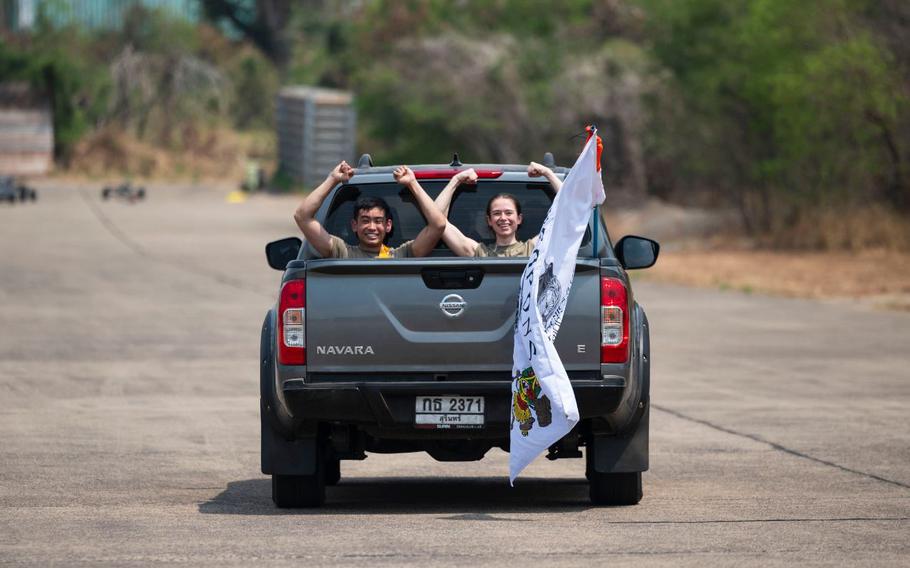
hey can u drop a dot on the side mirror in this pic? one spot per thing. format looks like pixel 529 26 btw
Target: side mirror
pixel 636 252
pixel 280 253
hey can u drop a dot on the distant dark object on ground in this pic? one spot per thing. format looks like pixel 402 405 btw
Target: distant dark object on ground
pixel 125 190
pixel 11 190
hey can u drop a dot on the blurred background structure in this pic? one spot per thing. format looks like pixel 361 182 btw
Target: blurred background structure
pixel 316 130
pixel 21 15
pixel 794 114
pixel 26 131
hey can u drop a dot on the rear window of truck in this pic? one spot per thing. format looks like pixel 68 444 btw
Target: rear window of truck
pixel 468 210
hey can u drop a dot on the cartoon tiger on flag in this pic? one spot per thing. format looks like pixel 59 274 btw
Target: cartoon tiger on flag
pixel 527 397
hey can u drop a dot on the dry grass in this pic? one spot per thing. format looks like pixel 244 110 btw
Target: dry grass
pixel 854 229
pixel 797 274
pixel 197 152
pixel 864 255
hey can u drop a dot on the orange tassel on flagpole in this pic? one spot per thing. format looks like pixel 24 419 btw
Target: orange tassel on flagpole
pixel 600 144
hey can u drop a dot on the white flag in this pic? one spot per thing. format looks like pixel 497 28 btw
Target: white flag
pixel 543 402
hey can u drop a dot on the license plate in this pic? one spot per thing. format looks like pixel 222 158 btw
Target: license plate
pixel 449 412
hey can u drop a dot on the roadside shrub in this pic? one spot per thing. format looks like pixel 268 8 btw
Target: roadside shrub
pixel 254 85
pixel 54 64
pixel 869 226
pixel 780 107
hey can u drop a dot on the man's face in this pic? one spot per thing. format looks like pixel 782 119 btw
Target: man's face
pixel 371 227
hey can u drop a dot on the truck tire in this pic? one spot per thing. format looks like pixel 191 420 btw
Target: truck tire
pixel 299 491
pixel 615 488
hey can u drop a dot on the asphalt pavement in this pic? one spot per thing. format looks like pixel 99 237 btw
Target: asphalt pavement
pixel 129 430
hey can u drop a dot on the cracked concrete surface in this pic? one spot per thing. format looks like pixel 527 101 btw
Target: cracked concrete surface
pixel 129 339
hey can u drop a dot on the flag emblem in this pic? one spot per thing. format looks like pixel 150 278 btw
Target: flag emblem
pixel 550 301
pixel 529 400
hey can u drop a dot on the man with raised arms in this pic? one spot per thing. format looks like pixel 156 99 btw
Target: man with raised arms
pixel 371 222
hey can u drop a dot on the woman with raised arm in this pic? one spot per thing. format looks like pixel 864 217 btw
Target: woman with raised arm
pixel 503 217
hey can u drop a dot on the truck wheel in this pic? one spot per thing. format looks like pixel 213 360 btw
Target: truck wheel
pixel 297 491
pixel 615 488
pixel 332 471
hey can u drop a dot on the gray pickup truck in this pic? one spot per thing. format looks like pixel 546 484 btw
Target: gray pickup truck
pixel 406 355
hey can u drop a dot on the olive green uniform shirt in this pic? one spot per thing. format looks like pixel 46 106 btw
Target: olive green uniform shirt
pixel 519 248
pixel 341 249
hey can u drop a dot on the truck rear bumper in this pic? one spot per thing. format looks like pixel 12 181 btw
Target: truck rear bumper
pixel 391 405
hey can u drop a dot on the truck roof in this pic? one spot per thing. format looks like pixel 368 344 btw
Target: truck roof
pixel 365 167
pixel 424 167
pixel 507 172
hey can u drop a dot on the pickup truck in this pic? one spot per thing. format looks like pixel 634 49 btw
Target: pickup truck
pixel 415 354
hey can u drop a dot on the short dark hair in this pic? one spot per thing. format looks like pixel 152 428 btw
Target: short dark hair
pixel 371 202
pixel 506 196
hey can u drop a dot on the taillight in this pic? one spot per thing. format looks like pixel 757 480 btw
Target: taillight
pixel 292 323
pixel 614 321
pixel 449 173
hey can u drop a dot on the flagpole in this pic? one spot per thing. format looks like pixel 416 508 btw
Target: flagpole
pixel 596 232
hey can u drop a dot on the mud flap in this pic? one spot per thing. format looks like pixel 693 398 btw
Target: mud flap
pixel 279 456
pixel 286 457
pixel 616 454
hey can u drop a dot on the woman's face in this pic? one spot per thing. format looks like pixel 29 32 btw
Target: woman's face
pixel 503 219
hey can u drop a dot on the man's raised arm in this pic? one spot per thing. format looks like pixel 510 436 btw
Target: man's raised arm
pixel 436 221
pixel 305 215
pixel 457 241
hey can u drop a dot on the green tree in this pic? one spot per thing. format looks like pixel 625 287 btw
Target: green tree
pixel 785 105
pixel 264 22
pixel 55 63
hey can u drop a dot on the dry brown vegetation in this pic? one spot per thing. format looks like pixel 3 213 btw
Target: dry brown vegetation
pixel 882 277
pixel 701 248
pixel 206 153
pixel 852 229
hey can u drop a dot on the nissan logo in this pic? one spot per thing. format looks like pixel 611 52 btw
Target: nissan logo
pixel 452 305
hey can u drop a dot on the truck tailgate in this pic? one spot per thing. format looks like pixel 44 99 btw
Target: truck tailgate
pixel 382 317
